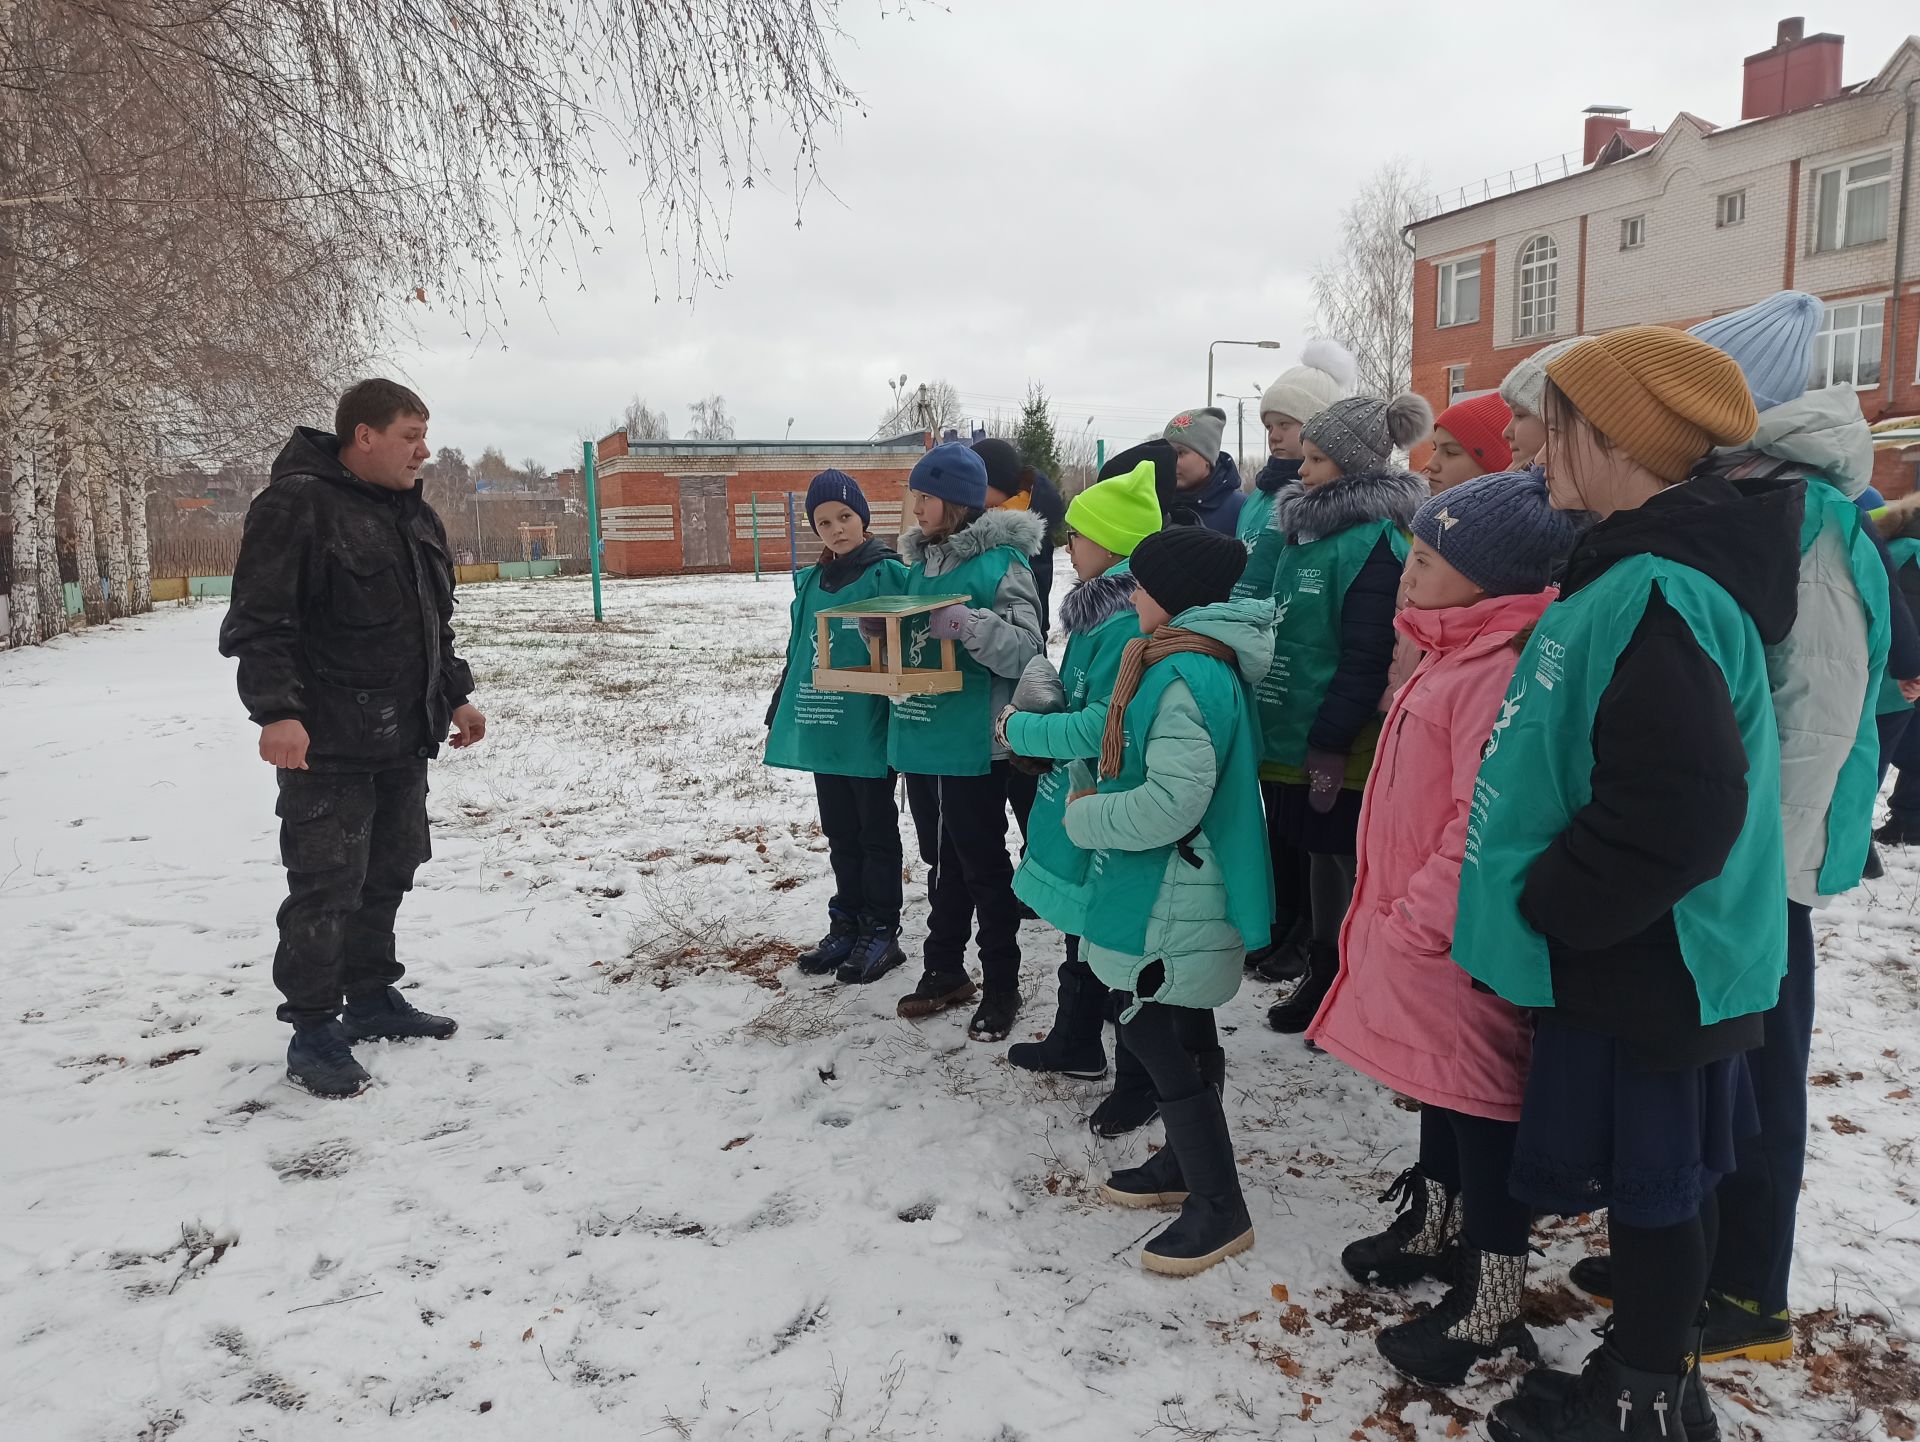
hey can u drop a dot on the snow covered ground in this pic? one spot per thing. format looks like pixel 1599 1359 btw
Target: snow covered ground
pixel 660 1185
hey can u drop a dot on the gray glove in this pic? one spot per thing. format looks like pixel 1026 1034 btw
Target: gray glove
pixel 1039 690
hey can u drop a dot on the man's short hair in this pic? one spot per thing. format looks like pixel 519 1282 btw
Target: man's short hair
pixel 374 403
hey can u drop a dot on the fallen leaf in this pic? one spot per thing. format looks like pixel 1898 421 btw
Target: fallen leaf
pixel 1279 1291
pixel 1900 1095
pixel 737 1142
pixel 1748 1403
pixel 1845 1128
pixel 1899 1427
pixel 1288 1366
pixel 1249 1317
pixel 527 1336
pixel 475 1343
pixel 1454 1429
pixel 1295 1319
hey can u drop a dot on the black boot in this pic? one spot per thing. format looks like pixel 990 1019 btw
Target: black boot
pixel 1156 1182
pixel 320 1061
pixel 386 1015
pixel 1594 1276
pixel 1285 957
pixel 1732 1330
pixel 1132 1103
pixel 832 950
pixel 1295 1014
pixel 1075 1046
pixel 1608 1402
pixel 1875 868
pixel 935 992
pixel 1895 832
pixel 993 1018
pixel 1213 1223
pixel 1418 1243
pixel 1543 1387
pixel 1478 1319
pixel 876 951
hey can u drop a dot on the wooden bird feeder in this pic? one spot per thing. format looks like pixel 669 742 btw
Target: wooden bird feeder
pixel 887 673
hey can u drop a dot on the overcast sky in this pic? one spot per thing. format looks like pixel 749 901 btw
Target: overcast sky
pixel 1084 193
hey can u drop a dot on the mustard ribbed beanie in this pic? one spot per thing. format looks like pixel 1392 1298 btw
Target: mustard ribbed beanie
pixel 1664 397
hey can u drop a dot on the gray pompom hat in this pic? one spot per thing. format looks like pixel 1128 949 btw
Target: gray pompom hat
pixel 1359 433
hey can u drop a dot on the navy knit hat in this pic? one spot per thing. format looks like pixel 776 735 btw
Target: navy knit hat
pixel 1499 531
pixel 952 472
pixel 841 487
pixel 1187 566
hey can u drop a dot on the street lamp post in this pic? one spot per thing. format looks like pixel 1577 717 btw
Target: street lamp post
pixel 1262 344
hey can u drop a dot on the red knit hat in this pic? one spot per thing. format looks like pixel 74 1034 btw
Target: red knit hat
pixel 1477 424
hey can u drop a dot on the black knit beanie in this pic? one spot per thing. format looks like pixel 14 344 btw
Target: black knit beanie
pixel 1188 566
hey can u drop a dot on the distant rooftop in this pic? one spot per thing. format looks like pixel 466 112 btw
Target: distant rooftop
pixel 913 443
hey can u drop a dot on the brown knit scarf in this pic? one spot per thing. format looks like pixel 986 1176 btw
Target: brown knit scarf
pixel 1140 654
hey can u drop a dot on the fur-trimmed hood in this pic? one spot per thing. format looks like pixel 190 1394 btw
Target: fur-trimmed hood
pixel 1101 599
pixel 1023 530
pixel 1304 513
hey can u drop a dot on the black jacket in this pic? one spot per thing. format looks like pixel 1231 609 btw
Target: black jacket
pixel 1669 782
pixel 342 613
pixel 836 574
pixel 1047 505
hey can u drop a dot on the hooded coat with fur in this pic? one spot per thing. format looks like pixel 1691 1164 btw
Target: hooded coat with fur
pixel 1005 636
pixel 1304 514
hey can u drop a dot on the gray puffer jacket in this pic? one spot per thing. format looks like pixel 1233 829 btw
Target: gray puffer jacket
pixel 1820 672
pixel 1005 636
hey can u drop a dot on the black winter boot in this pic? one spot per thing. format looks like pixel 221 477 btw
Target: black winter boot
pixel 831 950
pixel 1418 1243
pixel 1733 1330
pixel 1594 1276
pixel 1285 957
pixel 1478 1319
pixel 320 1061
pixel 1894 832
pixel 993 1018
pixel 1075 1046
pixel 1132 1103
pixel 935 992
pixel 1156 1182
pixel 1213 1223
pixel 876 951
pixel 1608 1402
pixel 386 1015
pixel 1698 1422
pixel 1295 1014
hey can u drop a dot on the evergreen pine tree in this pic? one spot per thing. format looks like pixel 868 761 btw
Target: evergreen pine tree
pixel 1039 447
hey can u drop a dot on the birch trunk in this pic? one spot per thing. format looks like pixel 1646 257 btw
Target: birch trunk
pixel 24 394
pixel 74 446
pixel 138 478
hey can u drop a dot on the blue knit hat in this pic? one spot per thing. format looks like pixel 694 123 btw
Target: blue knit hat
pixel 1498 531
pixel 841 487
pixel 952 472
pixel 1771 342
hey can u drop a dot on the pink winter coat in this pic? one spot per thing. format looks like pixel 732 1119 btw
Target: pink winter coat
pixel 1400 1010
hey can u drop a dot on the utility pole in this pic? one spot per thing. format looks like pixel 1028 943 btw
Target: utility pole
pixel 1240 448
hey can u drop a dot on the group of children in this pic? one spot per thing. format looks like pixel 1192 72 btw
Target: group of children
pixel 1523 776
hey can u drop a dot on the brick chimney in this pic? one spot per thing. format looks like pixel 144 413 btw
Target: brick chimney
pixel 1603 123
pixel 1800 70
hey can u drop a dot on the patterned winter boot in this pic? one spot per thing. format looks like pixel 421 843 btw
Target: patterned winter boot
pixel 1478 1319
pixel 1420 1242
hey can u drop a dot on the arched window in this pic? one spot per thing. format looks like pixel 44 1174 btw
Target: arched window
pixel 1539 287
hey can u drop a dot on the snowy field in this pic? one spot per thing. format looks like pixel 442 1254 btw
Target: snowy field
pixel 661 1186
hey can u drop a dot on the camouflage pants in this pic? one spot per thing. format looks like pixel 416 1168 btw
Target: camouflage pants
pixel 351 843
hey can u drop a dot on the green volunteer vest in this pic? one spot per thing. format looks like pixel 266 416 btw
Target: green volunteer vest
pixel 1122 886
pixel 1053 874
pixel 1254 516
pixel 833 733
pixel 1850 813
pixel 1905 553
pixel 950 734
pixel 1537 771
pixel 1309 581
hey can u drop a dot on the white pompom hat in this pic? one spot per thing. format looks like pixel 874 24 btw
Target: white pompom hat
pixel 1325 375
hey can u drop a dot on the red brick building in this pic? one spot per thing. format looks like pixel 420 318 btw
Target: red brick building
pixel 1814 189
pixel 668 507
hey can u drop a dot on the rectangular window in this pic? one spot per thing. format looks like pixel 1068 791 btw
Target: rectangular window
pixel 1850 203
pixel 1459 292
pixel 1733 208
pixel 1633 232
pixel 1456 383
pixel 1847 350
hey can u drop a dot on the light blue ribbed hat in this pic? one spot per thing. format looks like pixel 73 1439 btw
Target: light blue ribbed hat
pixel 1771 342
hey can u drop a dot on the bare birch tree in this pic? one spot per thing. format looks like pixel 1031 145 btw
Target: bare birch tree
pixel 1363 298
